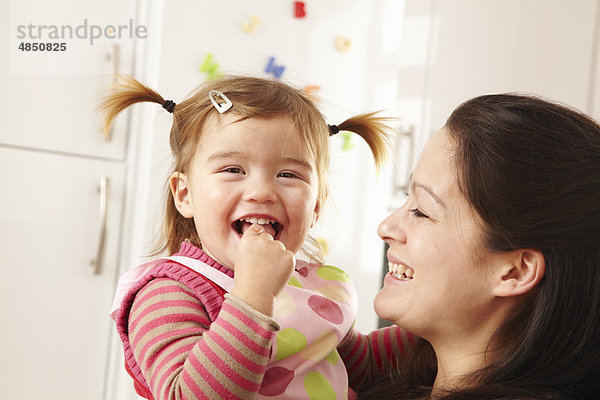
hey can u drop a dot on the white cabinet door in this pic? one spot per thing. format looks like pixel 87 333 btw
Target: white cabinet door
pixel 49 98
pixel 55 330
pixel 57 113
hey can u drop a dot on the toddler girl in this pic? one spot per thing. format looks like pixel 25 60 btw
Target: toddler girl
pixel 251 156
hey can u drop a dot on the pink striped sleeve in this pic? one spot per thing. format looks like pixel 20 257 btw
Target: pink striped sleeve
pixel 367 355
pixel 183 356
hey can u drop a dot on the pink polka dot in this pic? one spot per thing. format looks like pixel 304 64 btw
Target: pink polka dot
pixel 303 271
pixel 276 380
pixel 326 308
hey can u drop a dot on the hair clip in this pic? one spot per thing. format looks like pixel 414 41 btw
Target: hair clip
pixel 223 104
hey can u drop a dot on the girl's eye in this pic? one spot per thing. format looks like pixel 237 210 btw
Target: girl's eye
pixel 287 175
pixel 234 170
pixel 417 213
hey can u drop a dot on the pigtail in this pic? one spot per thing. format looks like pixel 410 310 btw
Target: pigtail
pixel 126 91
pixel 375 131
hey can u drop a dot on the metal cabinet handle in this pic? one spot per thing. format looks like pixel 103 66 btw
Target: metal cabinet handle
pixel 98 261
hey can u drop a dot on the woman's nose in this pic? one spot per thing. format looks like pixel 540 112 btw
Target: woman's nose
pixel 259 189
pixel 391 229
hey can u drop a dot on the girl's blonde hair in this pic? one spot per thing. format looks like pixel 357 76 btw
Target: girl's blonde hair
pixel 252 98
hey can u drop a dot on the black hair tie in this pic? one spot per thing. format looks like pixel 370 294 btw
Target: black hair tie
pixel 333 129
pixel 169 105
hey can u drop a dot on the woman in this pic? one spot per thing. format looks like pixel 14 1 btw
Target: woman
pixel 495 257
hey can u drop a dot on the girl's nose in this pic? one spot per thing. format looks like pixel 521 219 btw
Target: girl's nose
pixel 391 229
pixel 259 189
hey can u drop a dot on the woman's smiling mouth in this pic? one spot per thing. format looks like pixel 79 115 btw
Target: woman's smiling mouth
pixel 400 271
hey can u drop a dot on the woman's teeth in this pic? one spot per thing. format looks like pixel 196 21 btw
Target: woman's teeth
pixel 400 271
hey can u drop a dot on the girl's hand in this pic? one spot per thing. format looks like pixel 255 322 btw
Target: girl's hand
pixel 263 267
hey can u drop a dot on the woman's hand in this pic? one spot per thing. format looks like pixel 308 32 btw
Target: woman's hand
pixel 263 267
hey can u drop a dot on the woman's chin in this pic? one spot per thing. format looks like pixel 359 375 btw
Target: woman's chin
pixel 385 307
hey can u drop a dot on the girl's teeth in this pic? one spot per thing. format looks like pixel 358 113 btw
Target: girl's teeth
pixel 260 221
pixel 400 271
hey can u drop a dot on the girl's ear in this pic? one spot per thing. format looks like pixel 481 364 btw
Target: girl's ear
pixel 523 270
pixel 178 182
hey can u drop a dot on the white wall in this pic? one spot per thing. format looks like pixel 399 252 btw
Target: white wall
pixel 546 47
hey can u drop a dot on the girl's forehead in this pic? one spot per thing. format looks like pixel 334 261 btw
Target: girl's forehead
pixel 232 129
pixel 219 124
pixel 252 133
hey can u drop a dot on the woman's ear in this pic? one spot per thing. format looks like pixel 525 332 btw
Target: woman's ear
pixel 523 270
pixel 178 182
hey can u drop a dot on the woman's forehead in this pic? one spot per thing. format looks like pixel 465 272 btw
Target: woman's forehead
pixel 436 167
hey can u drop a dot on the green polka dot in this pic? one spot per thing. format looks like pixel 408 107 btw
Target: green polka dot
pixel 289 341
pixel 333 357
pixel 331 273
pixel 317 387
pixel 294 282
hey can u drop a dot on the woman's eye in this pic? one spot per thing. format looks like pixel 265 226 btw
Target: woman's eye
pixel 417 213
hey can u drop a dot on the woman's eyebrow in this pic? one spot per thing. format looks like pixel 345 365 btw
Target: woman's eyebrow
pixel 437 198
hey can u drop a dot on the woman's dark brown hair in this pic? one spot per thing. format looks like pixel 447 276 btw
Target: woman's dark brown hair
pixel 530 168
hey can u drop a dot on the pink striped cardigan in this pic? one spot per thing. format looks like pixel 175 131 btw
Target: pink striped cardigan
pixel 185 338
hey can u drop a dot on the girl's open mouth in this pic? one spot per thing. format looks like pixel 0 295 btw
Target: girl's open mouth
pixel 271 226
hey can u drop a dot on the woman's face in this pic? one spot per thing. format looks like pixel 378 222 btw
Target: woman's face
pixel 439 280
